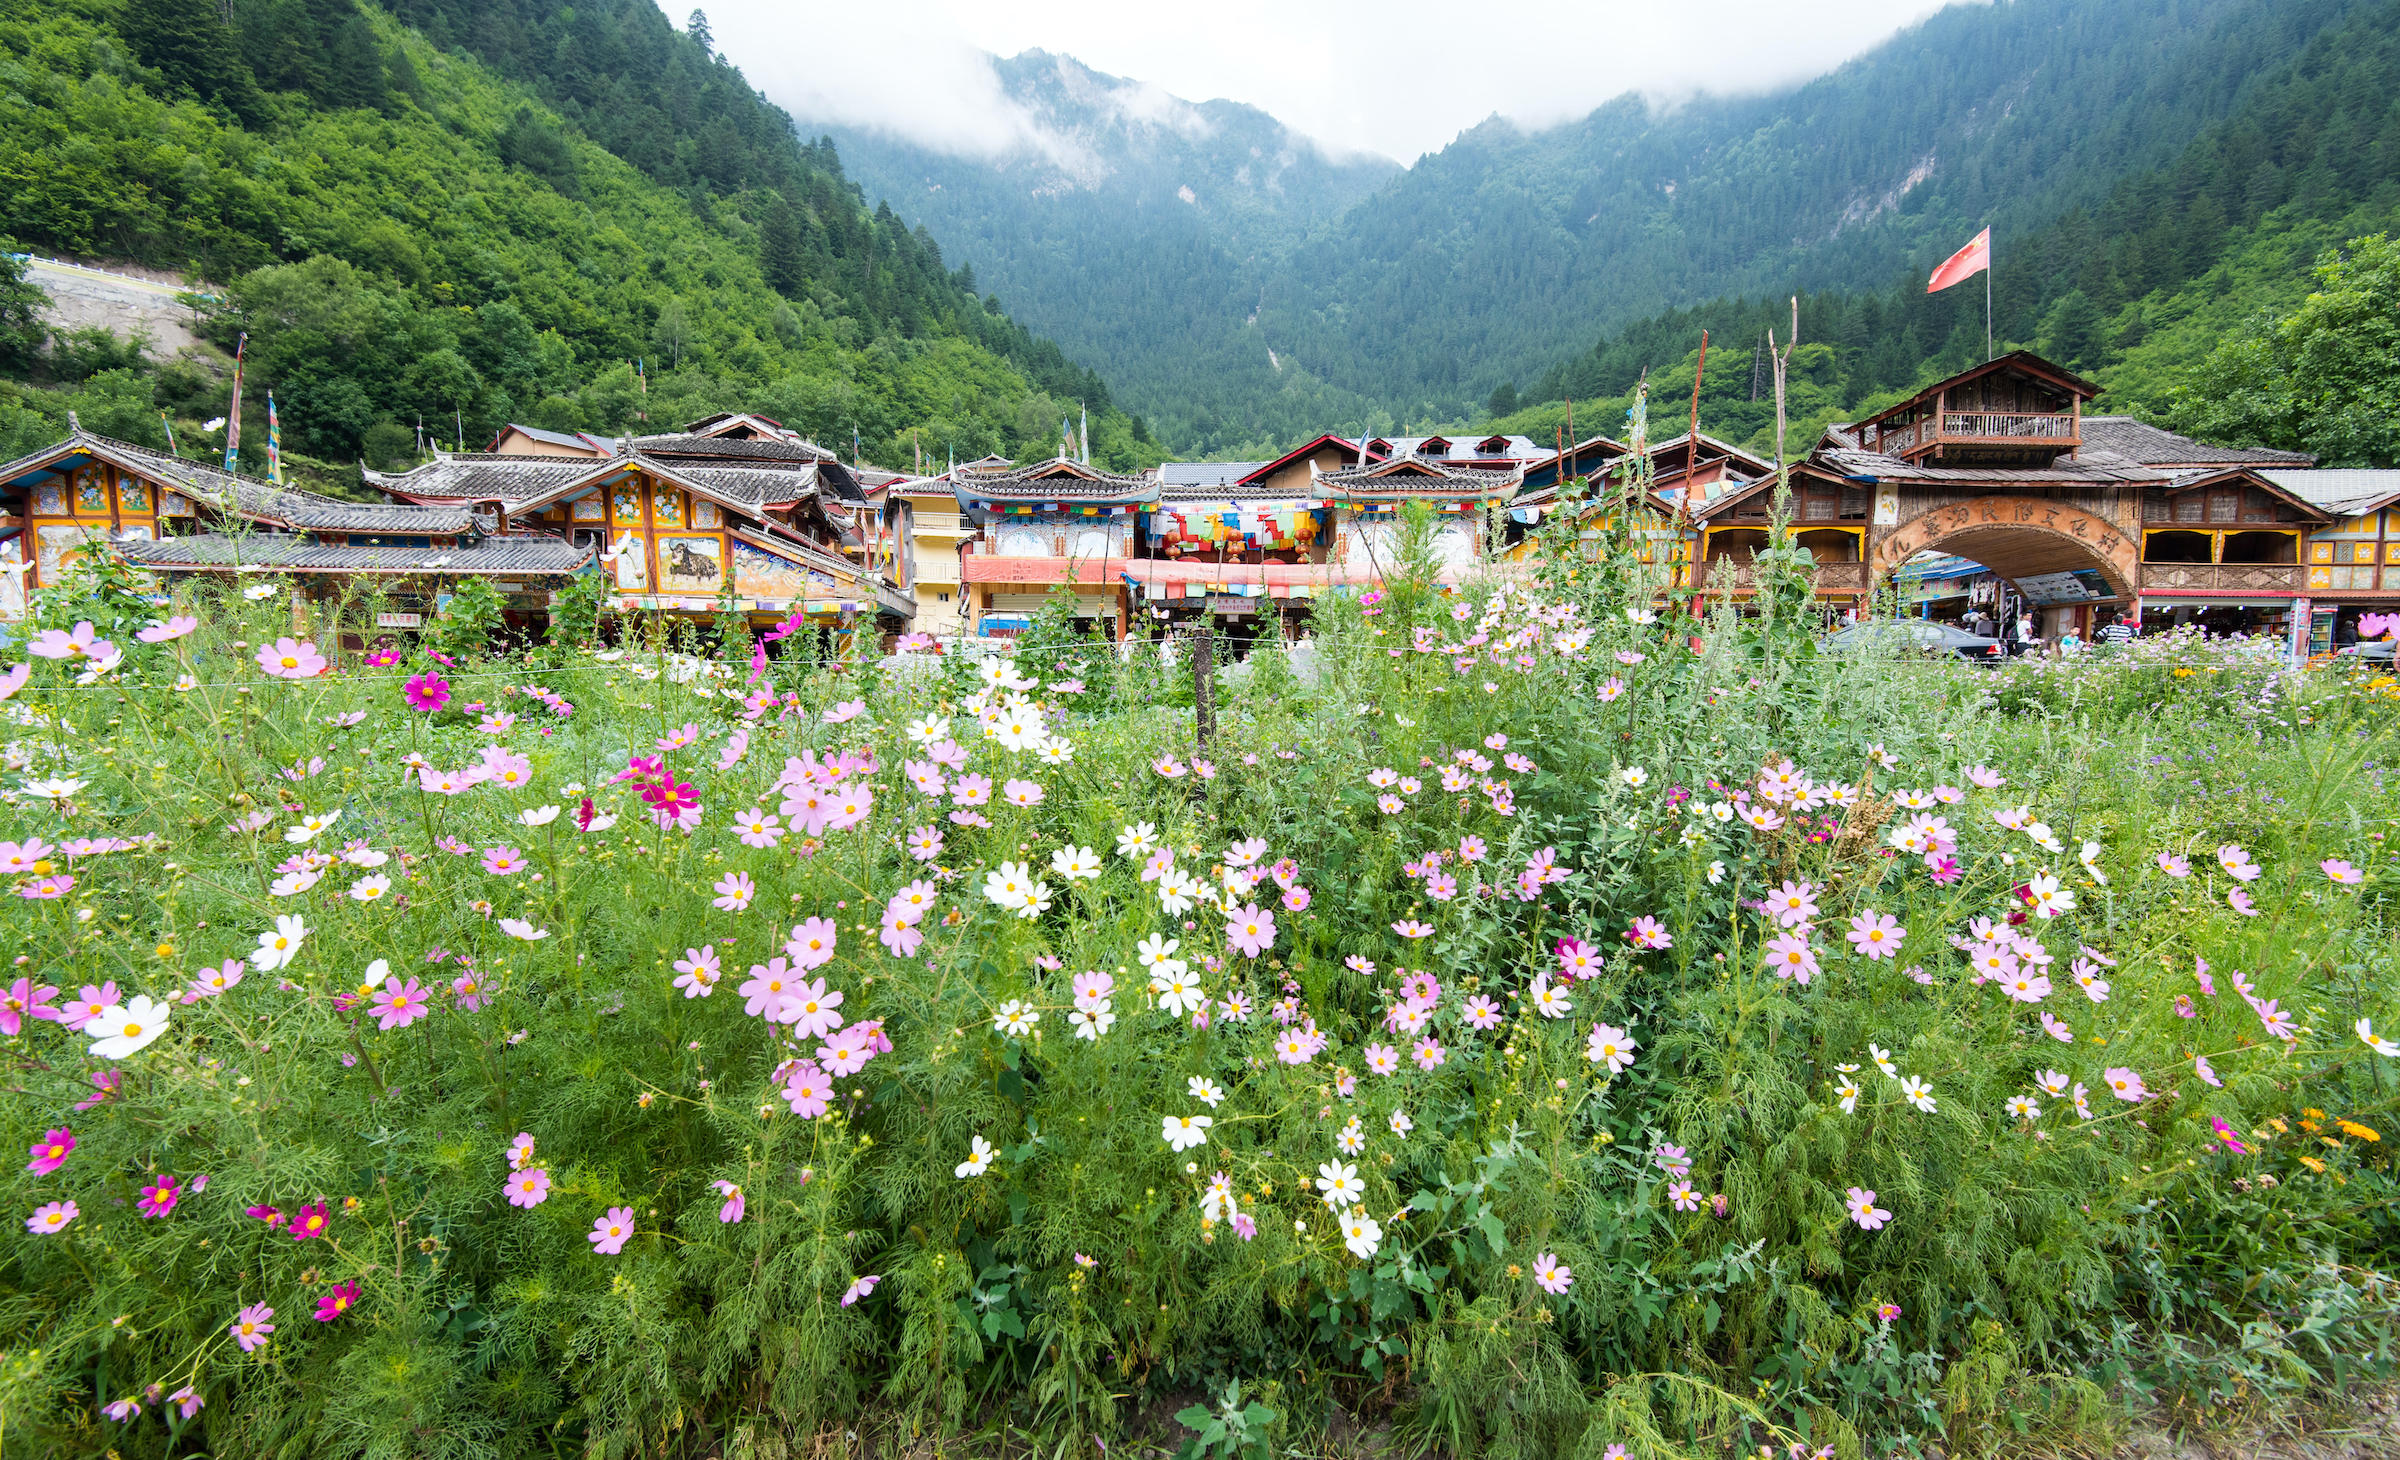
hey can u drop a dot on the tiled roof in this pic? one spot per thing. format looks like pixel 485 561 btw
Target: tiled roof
pixel 684 443
pixel 2341 491
pixel 1204 473
pixel 1414 477
pixel 479 475
pixel 497 555
pixel 2086 468
pixel 2155 446
pixel 1055 481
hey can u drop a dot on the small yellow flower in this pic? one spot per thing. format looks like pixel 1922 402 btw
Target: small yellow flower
pixel 2359 1132
pixel 164 950
pixel 2313 1164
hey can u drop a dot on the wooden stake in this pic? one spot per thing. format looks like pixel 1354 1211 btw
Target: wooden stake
pixel 1204 701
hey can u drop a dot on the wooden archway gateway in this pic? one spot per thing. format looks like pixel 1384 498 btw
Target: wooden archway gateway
pixel 2018 537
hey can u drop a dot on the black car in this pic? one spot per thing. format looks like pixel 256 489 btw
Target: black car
pixel 1917 635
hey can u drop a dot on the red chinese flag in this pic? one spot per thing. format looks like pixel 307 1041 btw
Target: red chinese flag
pixel 1964 264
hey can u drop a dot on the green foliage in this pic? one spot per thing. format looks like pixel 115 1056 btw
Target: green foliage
pixel 411 241
pixel 2324 379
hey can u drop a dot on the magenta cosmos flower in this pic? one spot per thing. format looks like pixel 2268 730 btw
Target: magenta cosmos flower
pixel 529 1188
pixel 23 1000
pixel 609 1234
pixel 310 1221
pixel 397 1005
pixel 50 1152
pixel 160 1198
pixel 428 692
pixel 334 1303
pixel 291 659
pixel 251 1326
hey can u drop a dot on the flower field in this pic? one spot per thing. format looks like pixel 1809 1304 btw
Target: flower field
pixel 1529 1024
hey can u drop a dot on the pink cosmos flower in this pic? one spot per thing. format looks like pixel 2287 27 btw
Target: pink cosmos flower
pixel 1789 955
pixel 811 944
pixel 1578 959
pixel 900 933
pixel 731 1212
pixel 159 1198
pixel 466 991
pixel 1472 849
pixel 860 1288
pixel 2342 872
pixel 768 989
pixel 2173 865
pixel 397 1005
pixel 105 1083
pixel 51 1151
pixel 60 644
pixel 845 712
pixel 2202 1068
pixel 2239 900
pixel 2126 1084
pixel 428 692
pixel 1250 930
pixel 22 1000
pixel 1552 1275
pixel 251 1326
pixel 973 790
pixel 697 972
pixel 1411 928
pixel 1481 1013
pixel 52 1217
pixel 844 1054
pixel 174 628
pixel 187 1401
pixel 812 1010
pixel 609 1234
pixel 1022 793
pixel 1429 1053
pixel 529 1188
pixel 47 888
pixel 1295 899
pixel 503 861
pixel 1244 1225
pixel 1876 935
pixel 1864 1211
pixel 1792 904
pixel 334 1303
pixel 1648 932
pixel 808 1091
pixel 734 892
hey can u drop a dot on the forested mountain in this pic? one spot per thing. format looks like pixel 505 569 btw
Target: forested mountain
pixel 1137 228
pixel 463 214
pixel 2069 126
pixel 2137 286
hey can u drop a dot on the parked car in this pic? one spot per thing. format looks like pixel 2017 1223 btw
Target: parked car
pixel 1918 635
pixel 2373 651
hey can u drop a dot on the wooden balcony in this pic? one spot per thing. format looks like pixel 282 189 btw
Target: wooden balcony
pixel 2268 580
pixel 1846 578
pixel 2054 429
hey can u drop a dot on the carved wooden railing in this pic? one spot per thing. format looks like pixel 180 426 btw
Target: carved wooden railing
pixel 2269 579
pixel 2007 426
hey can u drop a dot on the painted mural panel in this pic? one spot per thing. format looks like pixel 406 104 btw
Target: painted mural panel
pixel 761 574
pixel 12 581
pixel 633 566
pixel 50 500
pixel 688 563
pixel 705 514
pixel 133 496
pixel 57 544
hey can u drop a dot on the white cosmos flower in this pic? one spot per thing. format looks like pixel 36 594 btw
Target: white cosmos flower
pixel 1848 1091
pixel 1137 841
pixel 292 884
pixel 2048 897
pixel 1186 1131
pixel 309 827
pixel 1076 864
pixel 279 946
pixel 1610 1046
pixel 1007 884
pixel 1055 751
pixel 1338 1180
pixel 1179 991
pixel 2090 857
pixel 1016 1019
pixel 1551 1000
pixel 365 857
pixel 122 1029
pixel 1919 1093
pixel 538 815
pixel 1883 1060
pixel 1157 951
pixel 2382 1046
pixel 979 1160
pixel 1716 873
pixel 1019 732
pixel 1176 891
pixel 1634 776
pixel 928 730
pixel 1361 1235
pixel 520 928
pixel 370 889
pixel 1204 1090
pixel 1093 1022
pixel 258 592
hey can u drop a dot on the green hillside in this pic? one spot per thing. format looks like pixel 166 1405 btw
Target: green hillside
pixel 407 236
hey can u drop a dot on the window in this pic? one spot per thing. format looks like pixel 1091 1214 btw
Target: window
pixel 2261 547
pixel 2178 547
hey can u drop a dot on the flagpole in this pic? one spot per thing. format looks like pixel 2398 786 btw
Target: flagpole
pixel 1987 311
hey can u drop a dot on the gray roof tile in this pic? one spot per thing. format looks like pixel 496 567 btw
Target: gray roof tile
pixel 287 553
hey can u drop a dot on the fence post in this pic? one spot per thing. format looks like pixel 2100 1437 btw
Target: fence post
pixel 1204 673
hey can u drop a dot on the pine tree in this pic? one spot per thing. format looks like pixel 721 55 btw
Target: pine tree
pixel 187 42
pixel 780 257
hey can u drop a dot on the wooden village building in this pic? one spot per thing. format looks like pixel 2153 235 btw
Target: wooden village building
pixel 182 518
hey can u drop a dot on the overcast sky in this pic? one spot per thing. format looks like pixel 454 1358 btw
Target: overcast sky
pixel 1399 77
